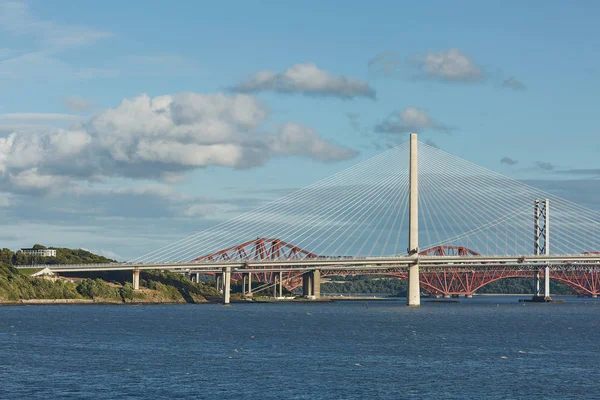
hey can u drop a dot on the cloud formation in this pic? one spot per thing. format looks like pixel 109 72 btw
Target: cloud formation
pixel 513 83
pixel 411 119
pixel 508 161
pixel 306 79
pixel 546 166
pixel 444 66
pixel 451 66
pixel 156 138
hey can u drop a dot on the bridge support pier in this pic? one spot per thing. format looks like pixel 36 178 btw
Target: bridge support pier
pixel 136 279
pixel 226 285
pixel 197 277
pixel 247 284
pixel 280 283
pixel 311 284
pixel 249 291
pixel 219 281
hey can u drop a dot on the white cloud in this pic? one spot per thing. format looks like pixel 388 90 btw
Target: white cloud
pixel 306 79
pixel 299 140
pixel 451 65
pixel 156 138
pixel 411 119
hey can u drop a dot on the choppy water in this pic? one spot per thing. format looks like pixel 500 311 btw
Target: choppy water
pixel 482 348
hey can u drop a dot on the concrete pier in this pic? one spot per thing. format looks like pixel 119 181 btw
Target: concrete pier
pixel 248 292
pixel 136 279
pixel 468 296
pixel 414 288
pixel 311 284
pixel 280 283
pixel 226 285
pixel 219 282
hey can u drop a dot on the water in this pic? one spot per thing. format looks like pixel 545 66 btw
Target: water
pixel 482 348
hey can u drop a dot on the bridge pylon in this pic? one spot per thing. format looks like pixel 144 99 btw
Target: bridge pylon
pixel 541 246
pixel 413 297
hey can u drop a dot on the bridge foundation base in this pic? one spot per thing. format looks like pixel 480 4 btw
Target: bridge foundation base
pixel 594 296
pixel 468 296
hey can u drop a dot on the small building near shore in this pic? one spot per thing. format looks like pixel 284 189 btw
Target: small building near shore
pixel 45 273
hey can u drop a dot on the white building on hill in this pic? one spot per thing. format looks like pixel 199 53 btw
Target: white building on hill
pixel 40 252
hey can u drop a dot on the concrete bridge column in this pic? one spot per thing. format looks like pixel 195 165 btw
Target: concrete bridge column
pixel 136 279
pixel 547 283
pixel 226 285
pixel 249 292
pixel 274 285
pixel 219 281
pixel 306 284
pixel 311 283
pixel 536 284
pixel 316 283
pixel 197 277
pixel 280 283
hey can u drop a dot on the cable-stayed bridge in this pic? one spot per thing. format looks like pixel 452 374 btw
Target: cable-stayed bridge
pixel 477 226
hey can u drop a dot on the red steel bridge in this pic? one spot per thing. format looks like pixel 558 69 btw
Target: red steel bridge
pixel 447 281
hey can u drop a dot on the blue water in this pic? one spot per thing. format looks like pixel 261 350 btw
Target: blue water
pixel 487 347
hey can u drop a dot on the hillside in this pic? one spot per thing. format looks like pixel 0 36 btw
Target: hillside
pixel 114 287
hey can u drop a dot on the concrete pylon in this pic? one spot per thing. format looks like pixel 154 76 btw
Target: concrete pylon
pixel 226 285
pixel 413 297
pixel 136 279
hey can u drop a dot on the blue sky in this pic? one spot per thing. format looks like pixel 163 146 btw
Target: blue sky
pixel 228 104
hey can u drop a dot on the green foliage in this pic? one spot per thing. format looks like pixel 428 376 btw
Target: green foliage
pixel 98 289
pixel 63 256
pixel 397 287
pixel 522 286
pixel 127 292
pixel 366 284
pixel 182 284
pixel 15 286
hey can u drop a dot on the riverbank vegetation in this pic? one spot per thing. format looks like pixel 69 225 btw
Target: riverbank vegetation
pixel 112 287
pixel 381 284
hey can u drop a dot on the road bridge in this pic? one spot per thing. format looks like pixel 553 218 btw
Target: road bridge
pixel 478 227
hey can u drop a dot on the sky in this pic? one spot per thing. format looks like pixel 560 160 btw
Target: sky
pixel 125 126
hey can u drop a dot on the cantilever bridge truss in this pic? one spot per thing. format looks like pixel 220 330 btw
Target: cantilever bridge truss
pixel 450 280
pixel 465 212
